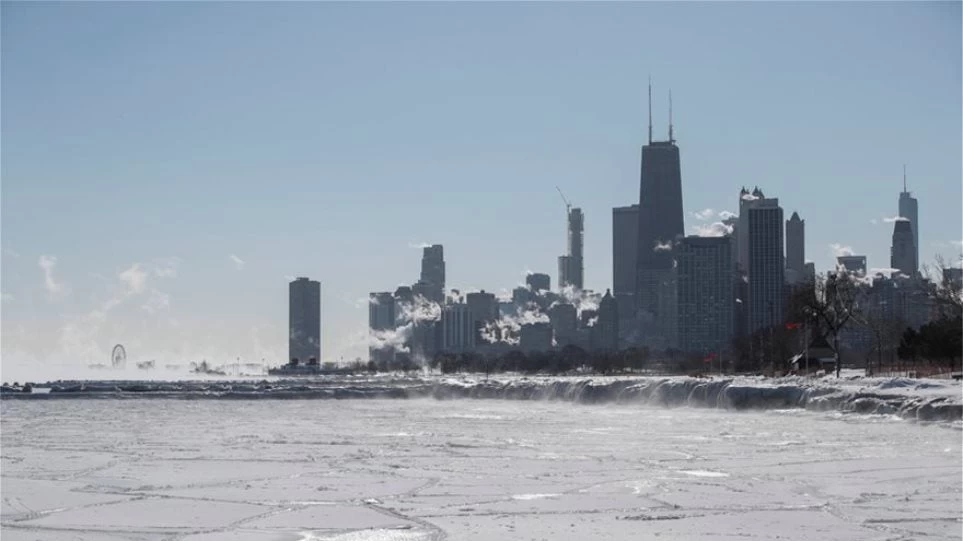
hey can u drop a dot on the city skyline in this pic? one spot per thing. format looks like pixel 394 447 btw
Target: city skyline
pixel 133 258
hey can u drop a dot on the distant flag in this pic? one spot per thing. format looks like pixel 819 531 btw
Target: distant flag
pixel 710 357
pixel 793 325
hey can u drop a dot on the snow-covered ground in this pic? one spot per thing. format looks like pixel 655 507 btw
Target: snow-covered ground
pixel 419 469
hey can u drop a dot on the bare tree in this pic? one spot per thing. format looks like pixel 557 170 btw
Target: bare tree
pixel 945 291
pixel 829 304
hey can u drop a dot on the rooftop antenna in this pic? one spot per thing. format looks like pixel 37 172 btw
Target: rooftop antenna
pixel 671 140
pixel 650 109
pixel 904 177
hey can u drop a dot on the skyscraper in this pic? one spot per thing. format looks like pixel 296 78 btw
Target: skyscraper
pixel 909 209
pixel 747 200
pixel 607 326
pixel 766 266
pixel 625 246
pixel 304 320
pixel 381 318
pixel 433 271
pixel 537 281
pixel 484 310
pixel 903 252
pixel 661 224
pixel 564 320
pixel 706 301
pixel 458 328
pixel 570 266
pixel 795 248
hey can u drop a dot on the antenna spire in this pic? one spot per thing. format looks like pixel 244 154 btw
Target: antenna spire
pixel 904 177
pixel 671 140
pixel 650 109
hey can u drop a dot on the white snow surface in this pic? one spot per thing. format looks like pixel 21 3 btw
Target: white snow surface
pixel 425 469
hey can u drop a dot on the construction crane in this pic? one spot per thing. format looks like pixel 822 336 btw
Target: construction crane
pixel 568 206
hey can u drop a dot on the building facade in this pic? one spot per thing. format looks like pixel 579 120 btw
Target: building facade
pixel 457 328
pixel 433 272
pixel 537 281
pixel 903 251
pixel 607 325
pixel 766 266
pixel 625 247
pixel 706 294
pixel 661 226
pixel 381 319
pixel 795 249
pixel 855 264
pixel 909 209
pixel 304 320
pixel 571 266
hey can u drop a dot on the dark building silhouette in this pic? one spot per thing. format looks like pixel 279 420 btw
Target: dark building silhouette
pixel 903 252
pixel 570 266
pixel 564 320
pixel 706 295
pixel 607 327
pixel 909 209
pixel 304 320
pixel 535 337
pixel 625 247
pixel 661 224
pixel 457 328
pixel 537 281
pixel 855 264
pixel 795 249
pixel 433 271
pixel 766 265
pixel 381 317
pixel 484 310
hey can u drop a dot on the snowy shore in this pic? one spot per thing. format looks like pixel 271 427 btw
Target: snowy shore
pixel 917 399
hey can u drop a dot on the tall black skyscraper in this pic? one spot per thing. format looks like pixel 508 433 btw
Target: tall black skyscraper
pixel 625 245
pixel 433 272
pixel 570 266
pixel 660 226
pixel 304 320
pixel 766 264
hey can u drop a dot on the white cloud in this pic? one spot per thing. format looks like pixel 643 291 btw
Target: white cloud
pixel 54 288
pixel 749 197
pixel 166 267
pixel 725 215
pixel 704 214
pixel 135 277
pixel 419 245
pixel 715 229
pixel 238 262
pixel 840 250
pixel 157 302
pixel 891 219
pixel 662 247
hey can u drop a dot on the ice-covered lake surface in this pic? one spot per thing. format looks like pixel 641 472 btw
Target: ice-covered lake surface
pixel 420 469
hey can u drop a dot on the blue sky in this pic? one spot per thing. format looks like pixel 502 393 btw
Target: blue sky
pixel 166 166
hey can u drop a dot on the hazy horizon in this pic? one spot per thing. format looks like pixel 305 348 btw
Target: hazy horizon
pixel 167 168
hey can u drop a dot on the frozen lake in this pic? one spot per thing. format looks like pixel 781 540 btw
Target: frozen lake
pixel 259 470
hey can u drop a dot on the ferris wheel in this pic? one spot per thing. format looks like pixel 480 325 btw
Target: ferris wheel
pixel 118 357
